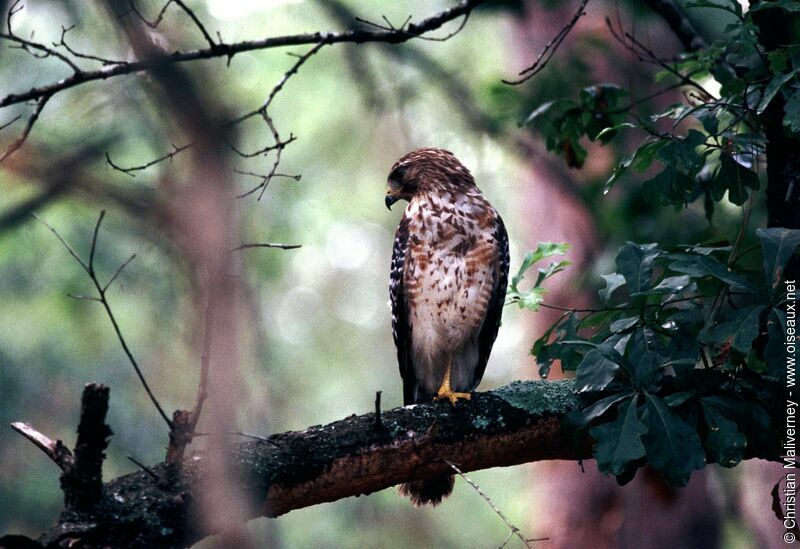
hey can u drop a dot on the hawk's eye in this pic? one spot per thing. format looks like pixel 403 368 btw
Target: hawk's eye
pixel 395 185
pixel 398 174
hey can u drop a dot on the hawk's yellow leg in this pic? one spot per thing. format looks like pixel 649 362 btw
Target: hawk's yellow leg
pixel 445 391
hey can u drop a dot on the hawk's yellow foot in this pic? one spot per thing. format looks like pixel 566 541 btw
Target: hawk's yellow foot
pixel 446 392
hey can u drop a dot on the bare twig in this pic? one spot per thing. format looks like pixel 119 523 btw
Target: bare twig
pixel 129 170
pixel 263 151
pixel 112 68
pixel 268 245
pixel 40 51
pixel 202 383
pixel 550 48
pixel 37 110
pixel 7 124
pixel 180 435
pixel 413 30
pixel 296 177
pixel 143 467
pixel 162 12
pixel 389 27
pixel 71 251
pixel 645 54
pixel 514 530
pixel 101 297
pixel 378 420
pixel 196 21
pixel 680 24
pixel 119 270
pixel 619 307
pixel 746 209
pixel 155 22
pixel 278 148
pixel 262 111
pixel 279 86
pixel 54 449
pixel 255 437
pixel 63 43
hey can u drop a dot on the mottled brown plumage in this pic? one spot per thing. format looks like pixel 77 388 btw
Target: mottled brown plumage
pixel 448 284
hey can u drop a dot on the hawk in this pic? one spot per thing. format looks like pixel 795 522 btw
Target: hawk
pixel 447 286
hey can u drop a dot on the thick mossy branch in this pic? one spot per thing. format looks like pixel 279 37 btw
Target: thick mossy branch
pixel 357 455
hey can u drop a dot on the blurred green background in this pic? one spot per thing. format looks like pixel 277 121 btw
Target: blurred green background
pixel 317 336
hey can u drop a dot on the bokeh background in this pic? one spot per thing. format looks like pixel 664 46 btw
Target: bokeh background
pixel 316 337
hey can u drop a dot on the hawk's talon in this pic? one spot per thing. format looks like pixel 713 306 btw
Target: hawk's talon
pixel 451 396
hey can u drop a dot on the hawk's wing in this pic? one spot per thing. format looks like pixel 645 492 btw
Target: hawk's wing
pixel 401 329
pixel 491 324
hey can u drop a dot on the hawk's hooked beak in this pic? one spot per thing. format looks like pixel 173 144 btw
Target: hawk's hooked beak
pixel 390 199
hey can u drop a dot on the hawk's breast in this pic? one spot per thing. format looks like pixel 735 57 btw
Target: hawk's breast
pixel 449 273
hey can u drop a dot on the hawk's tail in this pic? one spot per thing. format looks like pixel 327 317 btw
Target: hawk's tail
pixel 428 492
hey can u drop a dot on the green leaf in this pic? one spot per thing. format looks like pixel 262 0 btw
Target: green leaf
pixel 612 130
pixel 613 281
pixel 546 352
pixel 600 318
pixel 779 245
pixel 543 250
pixel 582 418
pixel 644 357
pixel 772 90
pixel 640 160
pixel 788 5
pixel 740 327
pixel 624 324
pixel 595 372
pixel 546 107
pixel 620 442
pixel 725 443
pixel 735 178
pixel 670 285
pixel 751 417
pixel 708 117
pixel 698 266
pixel 672 186
pixel 555 267
pixel 529 299
pixel 674 111
pixel 673 446
pixel 733 6
pixel 635 263
pixel 681 153
pixel 792 109
pixel 676 399
pixel 533 297
pixel 708 249
pixel 778 60
pixel 645 154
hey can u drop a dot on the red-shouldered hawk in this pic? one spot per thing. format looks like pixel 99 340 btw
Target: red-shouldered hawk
pixel 448 285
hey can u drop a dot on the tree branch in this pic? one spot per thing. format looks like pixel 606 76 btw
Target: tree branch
pixel 82 482
pixel 512 425
pixel 679 22
pixel 359 36
pixel 102 298
pixel 515 424
pixel 549 49
pixel 54 449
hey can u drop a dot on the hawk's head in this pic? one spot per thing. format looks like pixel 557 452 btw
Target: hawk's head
pixel 425 171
